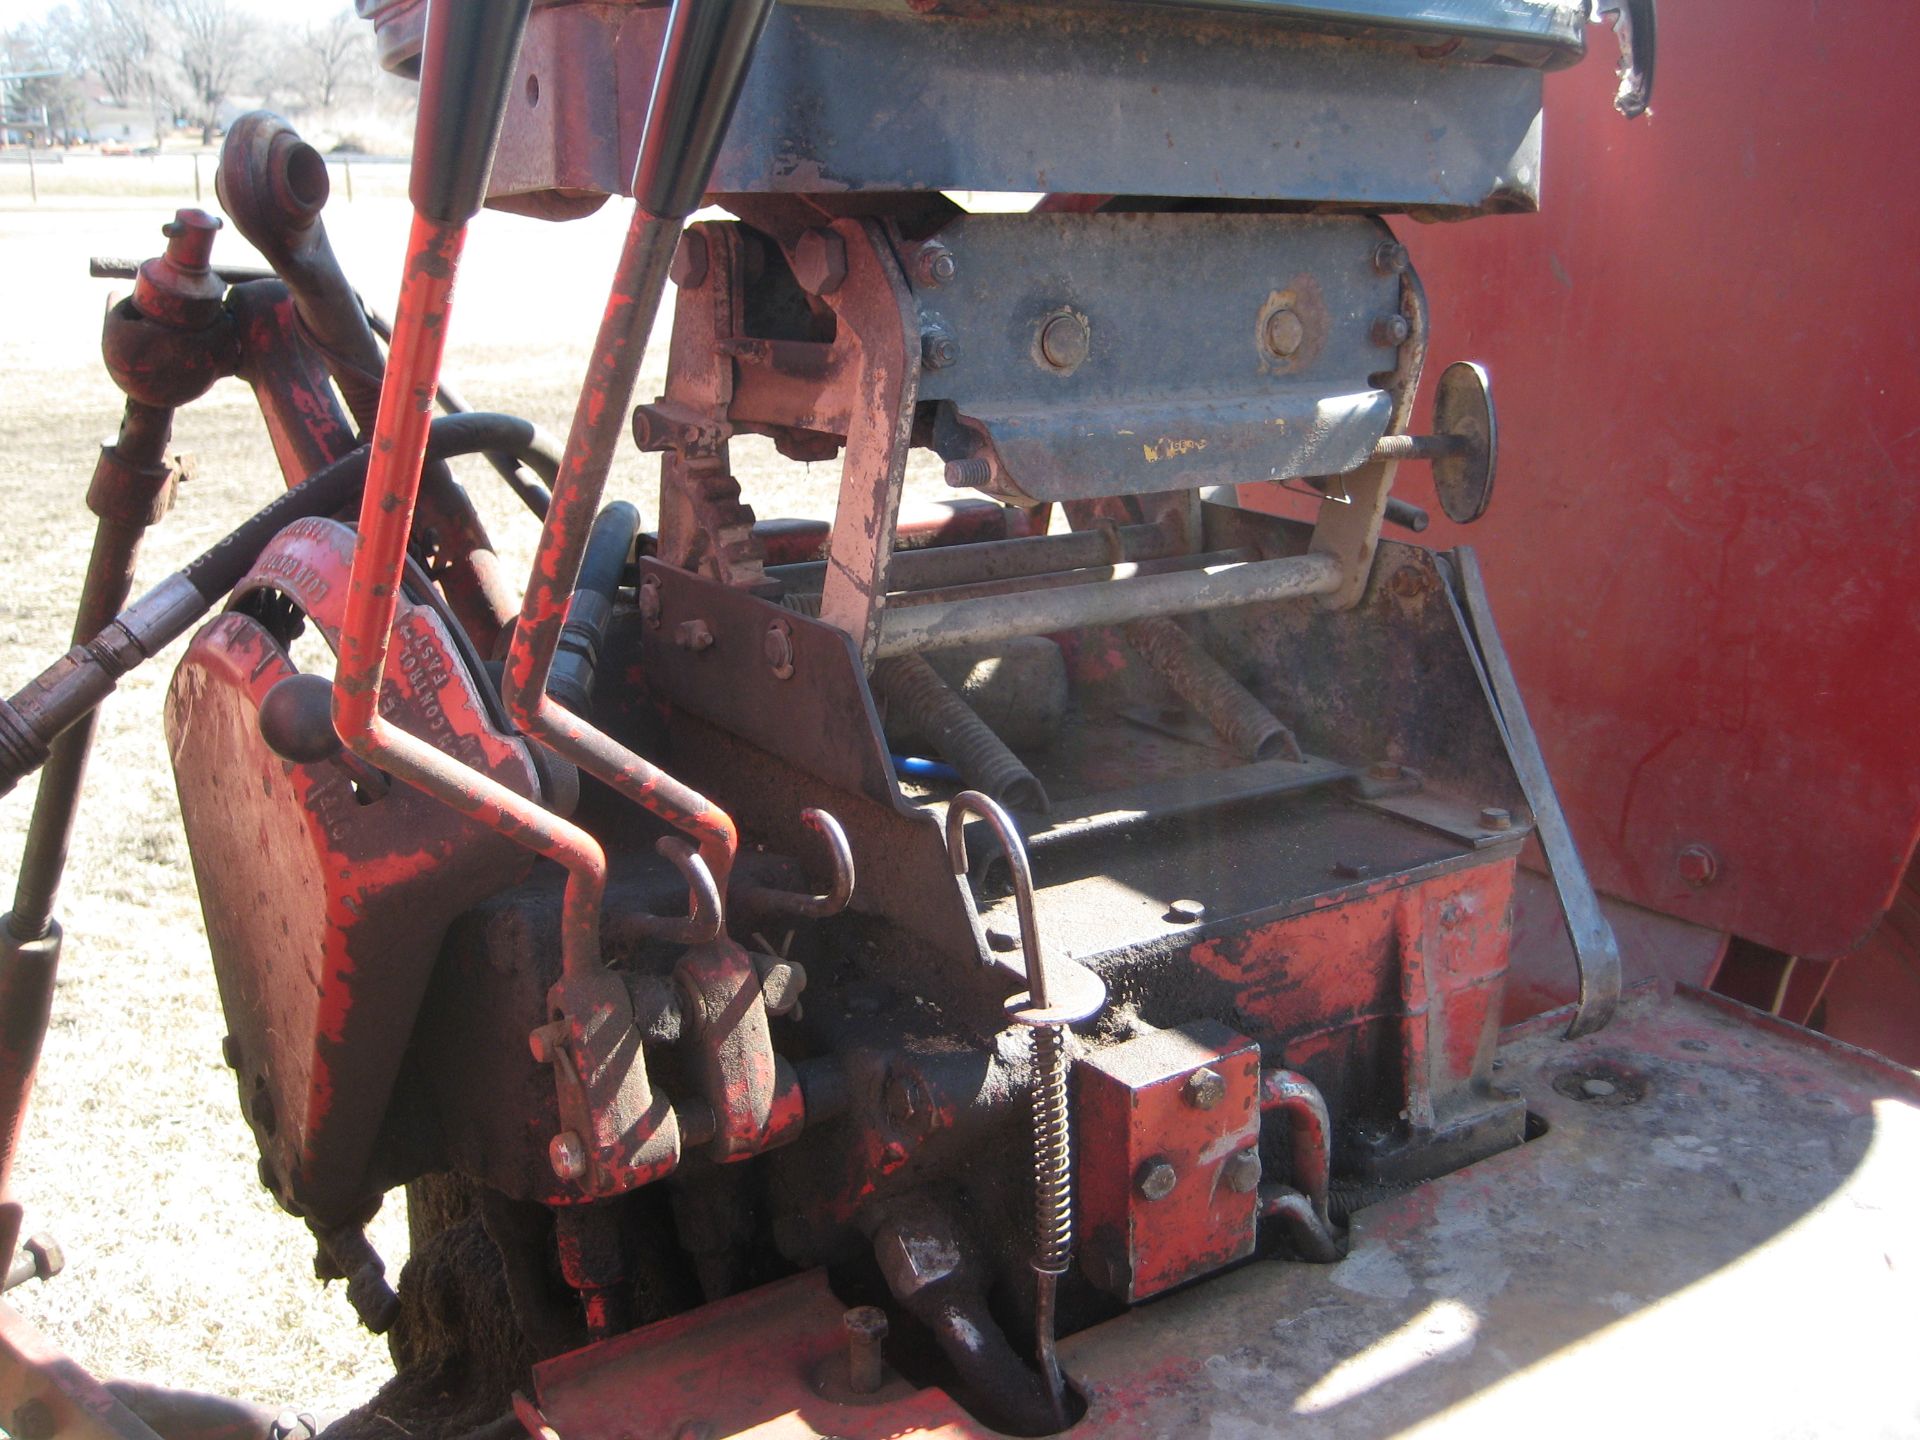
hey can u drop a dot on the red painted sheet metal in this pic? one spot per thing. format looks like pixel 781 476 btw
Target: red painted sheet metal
pixel 1706 358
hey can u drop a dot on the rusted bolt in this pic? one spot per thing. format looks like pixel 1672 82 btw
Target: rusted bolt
pixel 689 270
pixel 567 1155
pixel 1285 333
pixel 1386 770
pixel 33 1420
pixel 866 1329
pixel 650 601
pixel 1699 866
pixel 1408 582
pixel 777 647
pixel 1064 341
pixel 820 262
pixel 1391 330
pixel 1205 1088
pixel 1002 940
pixel 780 986
pixel 974 474
pixel 934 265
pixel 938 347
pixel 1390 257
pixel 694 635
pixel 1186 912
pixel 1156 1180
pixel 1242 1172
pixel 1493 817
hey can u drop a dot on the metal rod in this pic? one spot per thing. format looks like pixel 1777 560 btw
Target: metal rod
pixel 1091 575
pixel 915 629
pixel 1251 729
pixel 1302 1207
pixel 1421 447
pixel 938 566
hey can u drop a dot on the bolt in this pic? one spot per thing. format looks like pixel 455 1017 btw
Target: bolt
pixel 1156 1180
pixel 1186 912
pixel 777 647
pixel 1002 940
pixel 1391 330
pixel 694 635
pixel 1284 333
pixel 1351 870
pixel 650 601
pixel 1390 257
pixel 938 348
pixel 689 270
pixel 1493 817
pixel 780 986
pixel 934 265
pixel 866 1328
pixel 567 1155
pixel 1408 582
pixel 820 262
pixel 33 1420
pixel 1386 770
pixel 544 1041
pixel 1242 1172
pixel 1595 1088
pixel 1064 341
pixel 1699 866
pixel 1205 1088
pixel 974 474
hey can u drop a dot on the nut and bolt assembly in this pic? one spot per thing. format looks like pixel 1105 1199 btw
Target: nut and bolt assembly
pixel 1156 1180
pixel 866 1329
pixel 1205 1088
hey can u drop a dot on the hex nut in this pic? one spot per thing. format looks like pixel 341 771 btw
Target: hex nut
pixel 938 348
pixel 912 1260
pixel 689 270
pixel 567 1155
pixel 1156 1180
pixel 1065 341
pixel 820 262
pixel 1391 330
pixel 1186 912
pixel 934 265
pixel 1699 866
pixel 1284 334
pixel 1242 1172
pixel 1205 1088
pixel 1494 817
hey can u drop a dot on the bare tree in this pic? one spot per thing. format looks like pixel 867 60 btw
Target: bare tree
pixel 331 61
pixel 42 96
pixel 117 42
pixel 212 42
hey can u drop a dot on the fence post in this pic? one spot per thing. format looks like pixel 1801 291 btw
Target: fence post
pixel 196 177
pixel 33 178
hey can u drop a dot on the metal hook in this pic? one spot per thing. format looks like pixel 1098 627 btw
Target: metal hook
pixel 988 809
pixel 704 915
pixel 812 907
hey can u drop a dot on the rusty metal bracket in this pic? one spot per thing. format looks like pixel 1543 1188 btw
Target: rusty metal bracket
pixel 1595 950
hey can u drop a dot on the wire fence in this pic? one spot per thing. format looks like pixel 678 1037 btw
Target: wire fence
pixel 184 176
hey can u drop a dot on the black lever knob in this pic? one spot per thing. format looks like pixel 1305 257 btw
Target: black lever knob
pixel 466 66
pixel 703 67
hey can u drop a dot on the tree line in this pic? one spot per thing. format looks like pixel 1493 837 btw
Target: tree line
pixel 180 61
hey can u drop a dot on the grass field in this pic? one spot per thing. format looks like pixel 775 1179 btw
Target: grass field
pixel 179 1267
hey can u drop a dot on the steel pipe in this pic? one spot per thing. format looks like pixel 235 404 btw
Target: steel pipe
pixel 937 566
pixel 914 629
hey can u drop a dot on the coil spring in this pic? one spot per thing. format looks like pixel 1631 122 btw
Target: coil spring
pixel 1052 1152
pixel 930 706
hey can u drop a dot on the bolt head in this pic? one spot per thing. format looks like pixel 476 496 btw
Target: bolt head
pixel 820 262
pixel 689 270
pixel 1493 817
pixel 1065 341
pixel 1242 1172
pixel 1391 330
pixel 777 648
pixel 1186 912
pixel 935 264
pixel 866 1322
pixel 1594 1088
pixel 938 348
pixel 1156 1180
pixel 567 1155
pixel 650 600
pixel 1205 1088
pixel 1390 258
pixel 1002 940
pixel 1285 333
pixel 694 635
pixel 1351 870
pixel 1699 866
pixel 781 985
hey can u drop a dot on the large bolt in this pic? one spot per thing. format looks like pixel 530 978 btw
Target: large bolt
pixel 1205 1088
pixel 1242 1172
pixel 567 1155
pixel 689 270
pixel 866 1328
pixel 1699 866
pixel 934 265
pixel 820 262
pixel 972 474
pixel 1064 341
pixel 1156 1180
pixel 1285 333
pixel 938 348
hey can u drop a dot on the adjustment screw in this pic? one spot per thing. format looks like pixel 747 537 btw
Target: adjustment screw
pixel 567 1155
pixel 689 270
pixel 1285 333
pixel 1065 341
pixel 938 348
pixel 866 1328
pixel 820 262
pixel 1242 1172
pixel 1156 1180
pixel 777 648
pixel 1391 330
pixel 1205 1088
pixel 1186 912
pixel 934 265
pixel 1699 866
pixel 1493 817
pixel 973 474
pixel 1390 258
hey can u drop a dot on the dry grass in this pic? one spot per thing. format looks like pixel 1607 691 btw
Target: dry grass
pixel 179 1266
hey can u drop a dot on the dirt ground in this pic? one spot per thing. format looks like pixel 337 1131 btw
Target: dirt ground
pixel 179 1266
